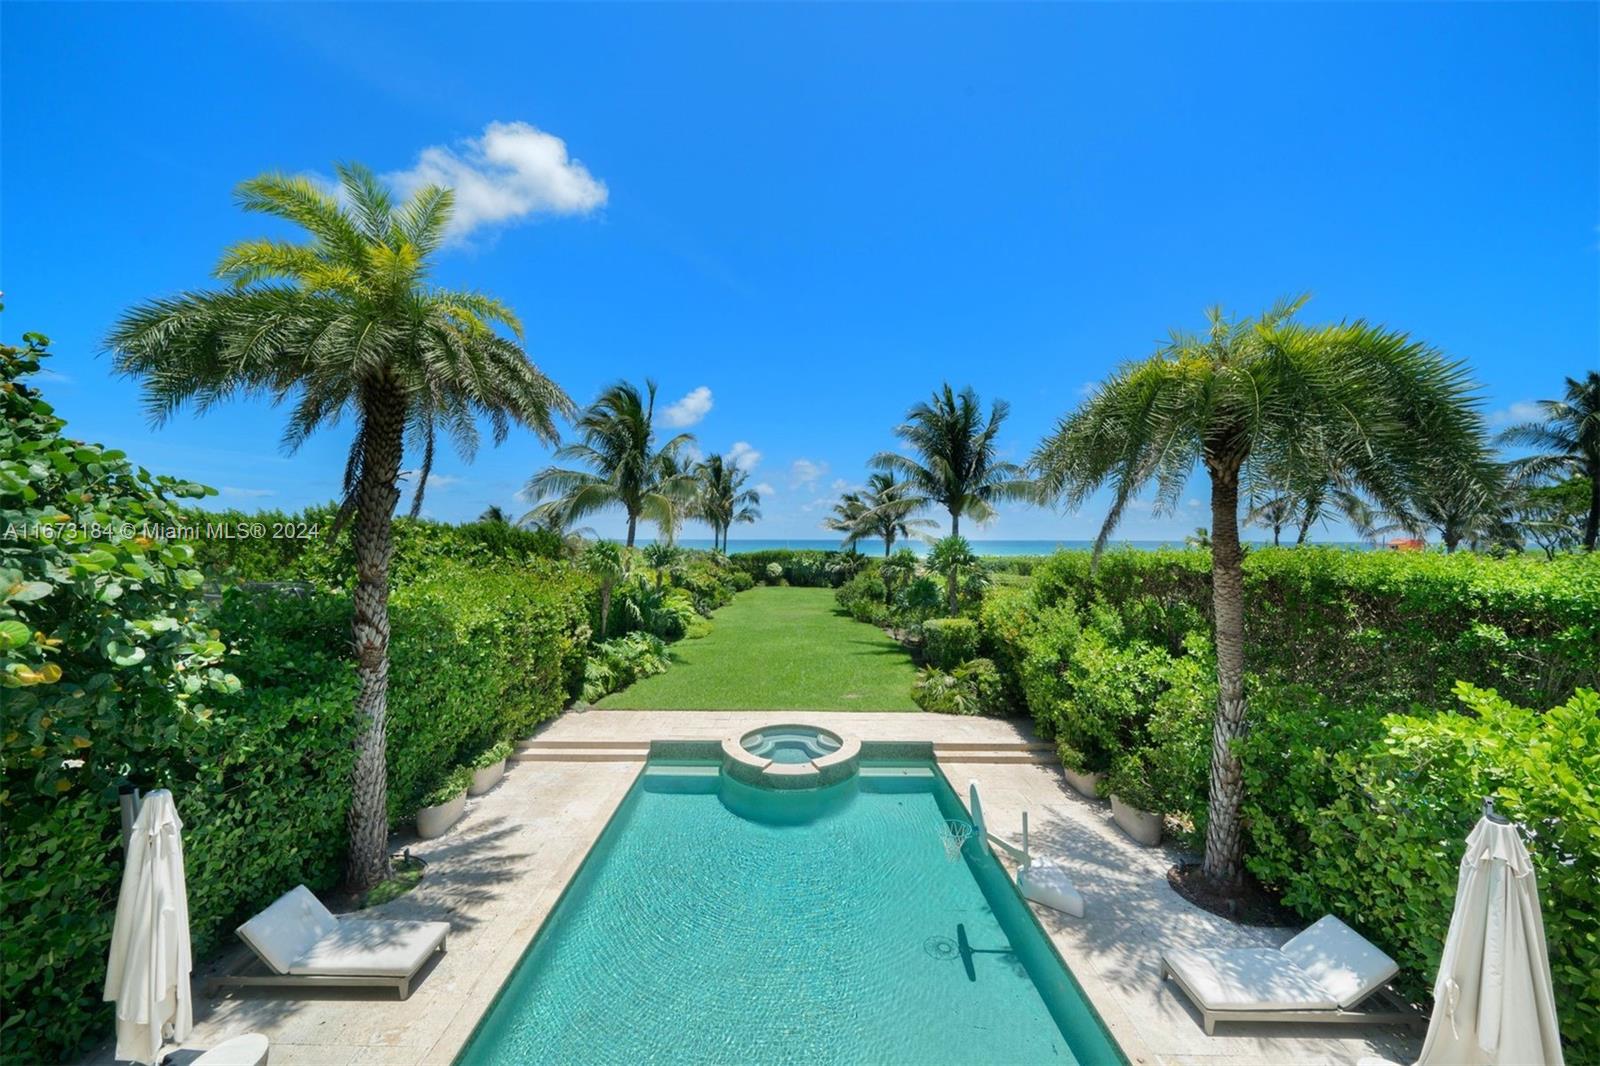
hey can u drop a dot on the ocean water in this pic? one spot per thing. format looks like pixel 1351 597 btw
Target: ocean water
pixel 715 922
pixel 979 547
pixel 875 547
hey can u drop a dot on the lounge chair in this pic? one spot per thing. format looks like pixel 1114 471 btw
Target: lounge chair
pixel 1319 976
pixel 302 944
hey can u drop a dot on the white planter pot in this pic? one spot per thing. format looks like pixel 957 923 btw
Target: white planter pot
pixel 1087 785
pixel 435 821
pixel 1142 826
pixel 485 779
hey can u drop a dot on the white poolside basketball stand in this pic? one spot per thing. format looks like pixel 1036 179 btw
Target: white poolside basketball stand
pixel 1039 879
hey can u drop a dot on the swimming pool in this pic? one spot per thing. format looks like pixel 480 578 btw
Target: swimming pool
pixel 715 921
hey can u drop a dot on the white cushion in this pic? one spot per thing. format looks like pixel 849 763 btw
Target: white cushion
pixel 287 929
pixel 372 949
pixel 1341 960
pixel 1246 979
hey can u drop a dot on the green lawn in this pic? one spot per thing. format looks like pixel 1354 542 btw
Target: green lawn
pixel 780 649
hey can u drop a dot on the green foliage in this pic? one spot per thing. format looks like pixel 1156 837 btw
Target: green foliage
pixel 1386 628
pixel 618 663
pixel 807 568
pixel 920 599
pixel 862 597
pixel 949 642
pixel 275 546
pixel 973 687
pixel 1372 827
pixel 493 754
pixel 447 788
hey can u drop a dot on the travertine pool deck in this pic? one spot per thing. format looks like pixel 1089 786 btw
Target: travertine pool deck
pixel 497 874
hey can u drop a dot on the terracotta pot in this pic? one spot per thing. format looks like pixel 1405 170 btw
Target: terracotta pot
pixel 1143 826
pixel 488 777
pixel 1086 785
pixel 436 821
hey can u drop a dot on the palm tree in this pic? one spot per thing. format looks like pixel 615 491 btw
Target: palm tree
pixel 957 465
pixel 950 557
pixel 1378 406
pixel 661 557
pixel 1466 502
pixel 494 515
pixel 608 565
pixel 847 517
pixel 724 500
pixel 617 442
pixel 346 322
pixel 1570 437
pixel 888 512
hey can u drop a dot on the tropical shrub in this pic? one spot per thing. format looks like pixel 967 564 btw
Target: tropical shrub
pixel 949 642
pixel 448 787
pixel 620 662
pixel 973 687
pixel 920 599
pixel 493 754
pixel 798 566
pixel 1397 796
pixel 863 599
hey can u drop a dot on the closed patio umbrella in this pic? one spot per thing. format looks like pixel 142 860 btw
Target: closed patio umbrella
pixel 147 975
pixel 1493 1002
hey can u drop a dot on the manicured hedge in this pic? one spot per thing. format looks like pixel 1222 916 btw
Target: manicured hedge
pixel 807 567
pixel 477 655
pixel 1365 817
pixel 1381 628
pixel 1362 777
pixel 278 546
pixel 949 642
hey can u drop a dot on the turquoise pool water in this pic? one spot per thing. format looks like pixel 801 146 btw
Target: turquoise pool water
pixel 714 922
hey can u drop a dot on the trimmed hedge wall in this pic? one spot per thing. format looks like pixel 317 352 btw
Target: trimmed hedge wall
pixel 1362 776
pixel 477 656
pixel 1384 628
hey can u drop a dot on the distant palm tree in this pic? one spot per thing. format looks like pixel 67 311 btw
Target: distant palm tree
pixel 950 557
pixel 1570 437
pixel 1380 408
pixel 348 323
pixel 627 470
pixel 888 514
pixel 724 500
pixel 955 462
pixel 847 517
pixel 1469 503
pixel 493 515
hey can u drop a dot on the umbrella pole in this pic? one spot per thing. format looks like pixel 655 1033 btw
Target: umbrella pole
pixel 128 798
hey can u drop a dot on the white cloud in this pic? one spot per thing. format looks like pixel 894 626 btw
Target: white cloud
pixel 766 489
pixel 436 482
pixel 743 456
pixel 232 490
pixel 689 410
pixel 512 172
pixel 1521 411
pixel 805 472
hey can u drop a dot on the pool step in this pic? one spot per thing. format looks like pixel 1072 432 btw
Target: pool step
pixel 600 751
pixel 537 743
pixel 1020 753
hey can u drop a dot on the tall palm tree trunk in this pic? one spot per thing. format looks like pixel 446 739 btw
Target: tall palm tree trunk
pixel 633 525
pixel 382 443
pixel 1223 864
pixel 955 523
pixel 888 545
pixel 1591 527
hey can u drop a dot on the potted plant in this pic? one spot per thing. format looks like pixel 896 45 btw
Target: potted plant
pixel 489 768
pixel 442 807
pixel 1075 768
pixel 1131 799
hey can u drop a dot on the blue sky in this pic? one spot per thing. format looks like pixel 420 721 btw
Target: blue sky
pixel 818 213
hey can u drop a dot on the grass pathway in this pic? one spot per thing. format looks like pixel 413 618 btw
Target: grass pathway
pixel 780 649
